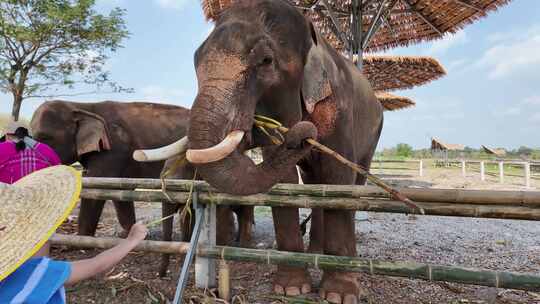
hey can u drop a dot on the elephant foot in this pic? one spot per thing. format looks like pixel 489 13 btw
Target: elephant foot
pixel 341 287
pixel 292 281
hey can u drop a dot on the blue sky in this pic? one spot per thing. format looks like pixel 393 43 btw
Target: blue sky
pixel 490 96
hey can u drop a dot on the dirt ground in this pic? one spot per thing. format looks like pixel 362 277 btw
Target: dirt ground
pixel 505 245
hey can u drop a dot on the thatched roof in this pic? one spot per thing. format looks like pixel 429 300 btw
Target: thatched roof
pixel 496 152
pixel 401 72
pixel 408 21
pixel 436 144
pixel 392 102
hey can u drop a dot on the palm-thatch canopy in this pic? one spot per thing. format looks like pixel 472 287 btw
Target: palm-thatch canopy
pixel 436 144
pixel 496 152
pixel 392 102
pixel 384 23
pixel 401 72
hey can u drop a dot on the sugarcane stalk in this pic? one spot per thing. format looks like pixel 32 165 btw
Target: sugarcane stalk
pixel 483 197
pixel 363 203
pixel 511 280
pixel 272 124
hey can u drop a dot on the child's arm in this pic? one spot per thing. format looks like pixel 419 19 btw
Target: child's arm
pixel 84 269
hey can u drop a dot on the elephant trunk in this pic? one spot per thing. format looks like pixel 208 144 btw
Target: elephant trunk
pixel 215 119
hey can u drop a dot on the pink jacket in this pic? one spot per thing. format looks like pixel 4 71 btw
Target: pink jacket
pixel 14 165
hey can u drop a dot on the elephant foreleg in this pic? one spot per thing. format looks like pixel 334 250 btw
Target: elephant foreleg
pixel 125 212
pixel 167 226
pixel 291 281
pixel 89 214
pixel 246 220
pixel 316 231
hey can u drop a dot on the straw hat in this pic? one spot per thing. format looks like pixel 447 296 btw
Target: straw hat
pixel 31 210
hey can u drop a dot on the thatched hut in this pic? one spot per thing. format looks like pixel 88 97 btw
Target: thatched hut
pixel 495 152
pixel 440 149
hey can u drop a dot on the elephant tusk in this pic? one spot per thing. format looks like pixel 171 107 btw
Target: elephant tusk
pixel 162 153
pixel 217 152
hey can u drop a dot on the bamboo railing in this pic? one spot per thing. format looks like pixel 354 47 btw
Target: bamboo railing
pixel 483 277
pixel 522 205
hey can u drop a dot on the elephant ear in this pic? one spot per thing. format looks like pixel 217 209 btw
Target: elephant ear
pixel 315 84
pixel 92 134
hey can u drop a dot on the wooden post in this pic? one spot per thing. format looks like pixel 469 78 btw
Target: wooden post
pixel 463 170
pixel 527 167
pixel 205 268
pixel 501 172
pixel 421 168
pixel 482 171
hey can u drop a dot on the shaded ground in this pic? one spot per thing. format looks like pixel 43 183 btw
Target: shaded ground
pixel 505 245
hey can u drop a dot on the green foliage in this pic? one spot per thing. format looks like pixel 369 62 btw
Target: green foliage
pixel 404 150
pixel 47 45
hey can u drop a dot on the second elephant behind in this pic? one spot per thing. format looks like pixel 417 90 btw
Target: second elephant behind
pixel 102 136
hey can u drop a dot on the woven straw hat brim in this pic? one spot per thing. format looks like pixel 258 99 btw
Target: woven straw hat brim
pixel 31 211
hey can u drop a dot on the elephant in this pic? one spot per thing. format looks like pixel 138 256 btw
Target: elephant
pixel 264 57
pixel 102 137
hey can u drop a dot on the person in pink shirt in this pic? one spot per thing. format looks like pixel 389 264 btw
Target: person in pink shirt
pixel 21 155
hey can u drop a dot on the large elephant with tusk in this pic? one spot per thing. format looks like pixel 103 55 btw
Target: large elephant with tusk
pixel 265 58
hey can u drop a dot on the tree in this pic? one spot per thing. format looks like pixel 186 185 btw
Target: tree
pixel 47 45
pixel 404 150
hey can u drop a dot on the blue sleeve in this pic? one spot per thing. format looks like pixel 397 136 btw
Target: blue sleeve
pixel 37 281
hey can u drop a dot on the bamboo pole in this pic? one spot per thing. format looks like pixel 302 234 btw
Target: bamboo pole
pixel 463 168
pixel 511 280
pixel 300 201
pixel 79 241
pixel 514 197
pixel 421 168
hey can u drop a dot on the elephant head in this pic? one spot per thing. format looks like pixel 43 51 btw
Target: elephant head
pixel 69 130
pixel 263 57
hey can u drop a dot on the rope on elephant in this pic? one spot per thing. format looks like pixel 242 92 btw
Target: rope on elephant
pixel 263 123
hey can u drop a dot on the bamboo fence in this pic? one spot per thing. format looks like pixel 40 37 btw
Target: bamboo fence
pixel 498 279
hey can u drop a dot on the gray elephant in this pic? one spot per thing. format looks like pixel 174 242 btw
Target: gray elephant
pixel 264 57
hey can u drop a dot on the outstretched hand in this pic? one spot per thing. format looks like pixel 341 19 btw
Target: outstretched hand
pixel 137 232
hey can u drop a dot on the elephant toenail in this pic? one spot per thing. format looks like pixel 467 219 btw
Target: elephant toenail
pixel 350 299
pixel 278 289
pixel 333 297
pixel 306 288
pixel 292 291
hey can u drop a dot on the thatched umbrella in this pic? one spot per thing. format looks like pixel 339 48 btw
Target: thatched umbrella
pixel 392 102
pixel 401 72
pixel 354 26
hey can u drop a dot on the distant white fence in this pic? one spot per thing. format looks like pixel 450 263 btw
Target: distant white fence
pixel 531 170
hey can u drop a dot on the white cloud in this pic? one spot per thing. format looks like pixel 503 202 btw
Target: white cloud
pixel 173 4
pixel 516 55
pixel 532 100
pixel 449 41
pixel 456 64
pixel 156 93
pixel 508 111
pixel 535 118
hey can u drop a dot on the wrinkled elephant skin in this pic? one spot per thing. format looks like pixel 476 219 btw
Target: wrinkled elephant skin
pixel 263 57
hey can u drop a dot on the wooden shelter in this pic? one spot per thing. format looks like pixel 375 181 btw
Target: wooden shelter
pixel 387 73
pixel 355 26
pixel 440 149
pixel 392 102
pixel 496 152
